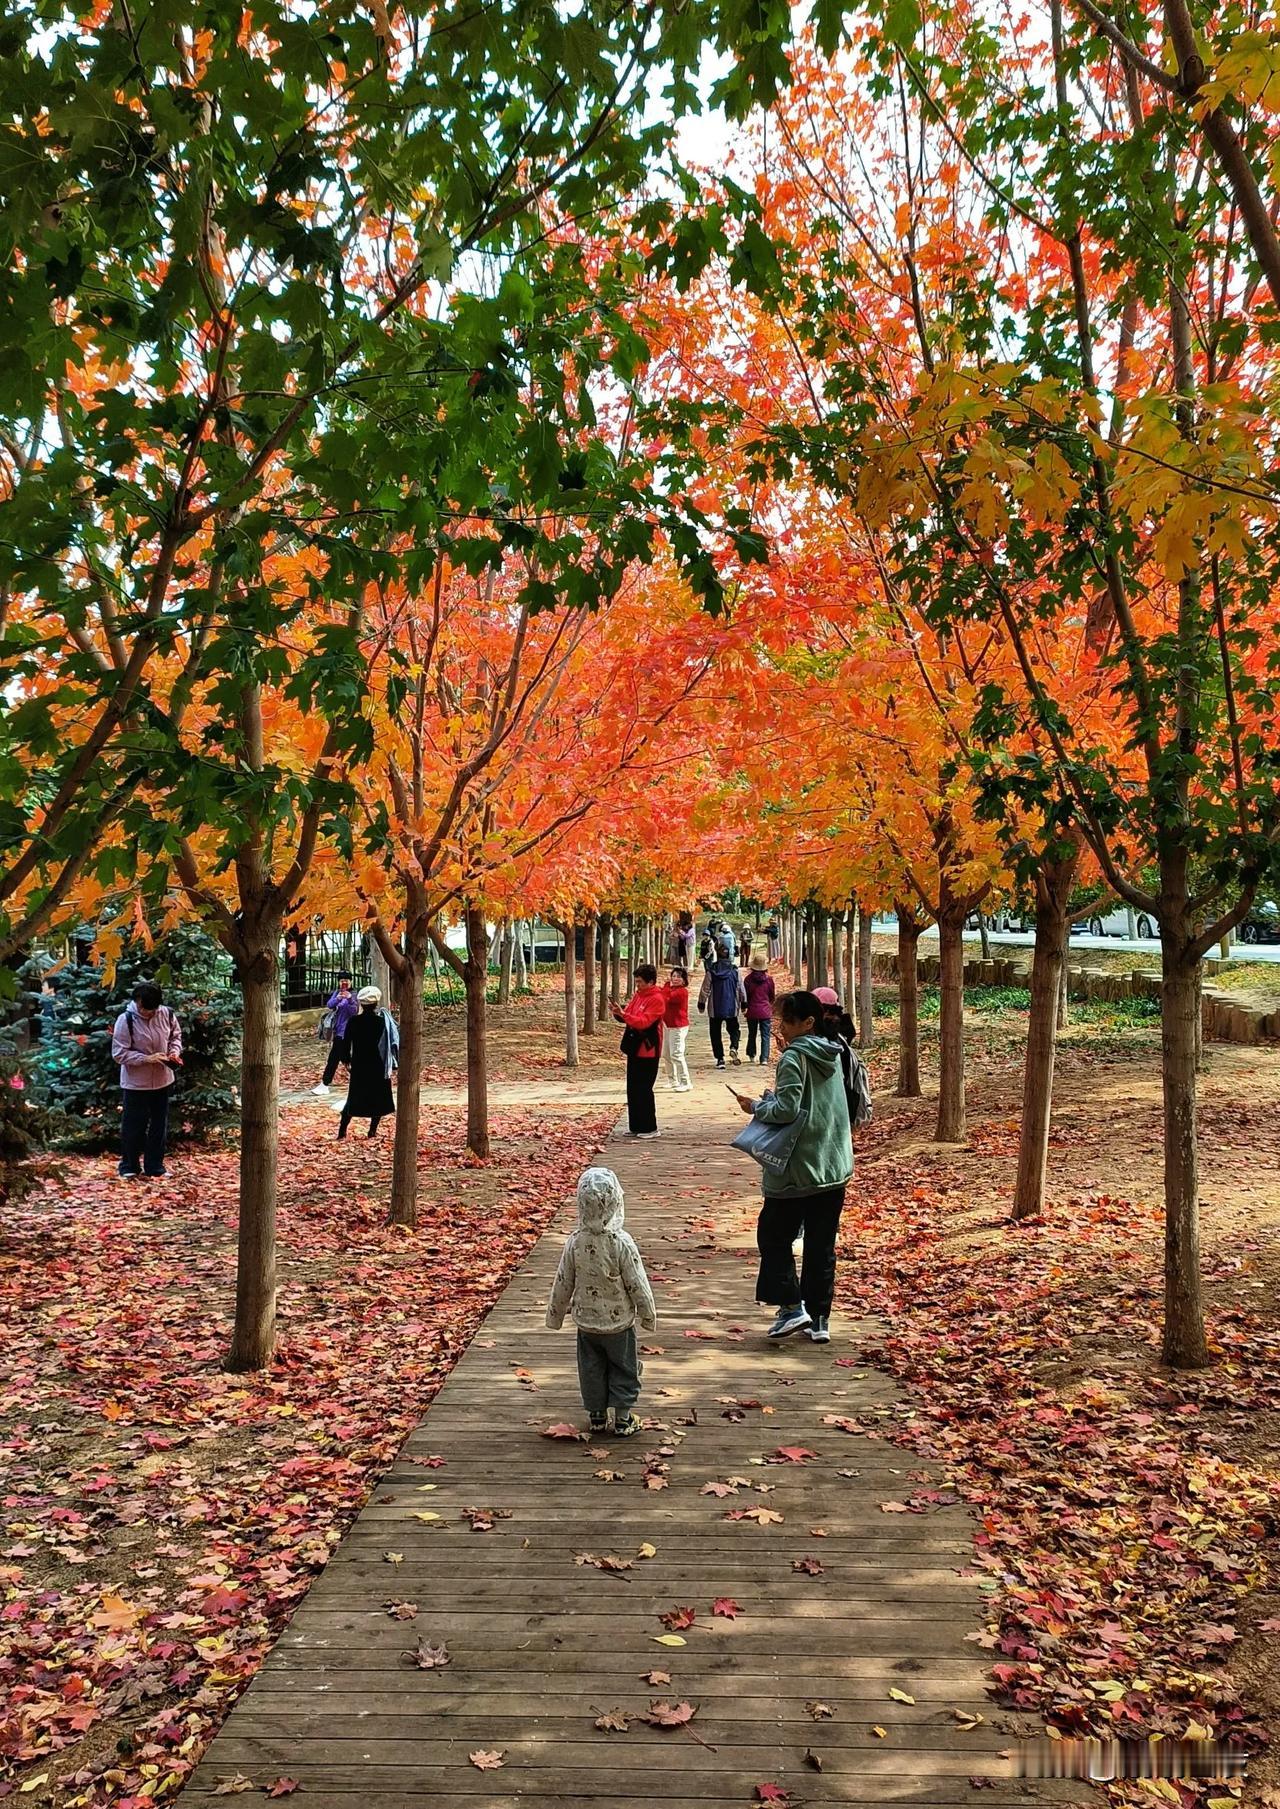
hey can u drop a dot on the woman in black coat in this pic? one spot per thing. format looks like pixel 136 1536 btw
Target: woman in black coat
pixel 373 1044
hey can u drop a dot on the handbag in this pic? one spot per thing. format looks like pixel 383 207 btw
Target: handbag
pixel 771 1145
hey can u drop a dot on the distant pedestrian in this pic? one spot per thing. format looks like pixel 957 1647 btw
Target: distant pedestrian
pixel 759 989
pixel 147 1044
pixel 726 941
pixel 722 990
pixel 642 1045
pixel 675 1030
pixel 602 1282
pixel 773 936
pixel 745 937
pixel 340 1009
pixel 373 1054
pixel 808 1192
pixel 683 940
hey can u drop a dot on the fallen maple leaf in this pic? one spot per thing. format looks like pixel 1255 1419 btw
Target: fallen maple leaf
pixel 283 1787
pixel 792 1454
pixel 401 1611
pixel 233 1786
pixel 615 1722
pixel 563 1430
pixel 647 1551
pixel 116 1614
pixel 772 1793
pixel 894 1507
pixel 393 1557
pixel 655 1678
pixel 669 1714
pixel 428 1657
pixel 677 1618
pixel 487 1761
pixel 820 1711
pixel 762 1516
pixel 726 1608
pixel 809 1567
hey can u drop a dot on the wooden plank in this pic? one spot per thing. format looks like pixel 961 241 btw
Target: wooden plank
pixel 540 1644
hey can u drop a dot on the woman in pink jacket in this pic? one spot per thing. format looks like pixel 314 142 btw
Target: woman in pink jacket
pixel 642 1046
pixel 147 1043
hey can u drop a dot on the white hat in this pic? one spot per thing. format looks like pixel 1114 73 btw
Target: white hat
pixel 368 995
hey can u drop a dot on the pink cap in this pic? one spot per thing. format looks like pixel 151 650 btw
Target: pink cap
pixel 827 994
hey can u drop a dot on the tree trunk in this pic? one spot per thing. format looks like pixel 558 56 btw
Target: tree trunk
pixel 850 954
pixel 606 929
pixel 820 946
pixel 909 927
pixel 984 935
pixel 1054 880
pixel 570 998
pixel 837 955
pixel 506 960
pixel 533 948
pixel 615 960
pixel 1184 1342
pixel 589 976
pixel 258 972
pixel 866 1019
pixel 379 972
pixel 522 965
pixel 1064 996
pixel 411 1013
pixel 1199 1019
pixel 951 1113
pixel 631 953
pixel 475 978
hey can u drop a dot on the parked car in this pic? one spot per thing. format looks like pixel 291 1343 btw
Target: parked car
pixel 1115 922
pixel 1262 924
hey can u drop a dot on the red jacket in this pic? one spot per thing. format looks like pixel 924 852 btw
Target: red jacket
pixel 676 1015
pixel 645 1012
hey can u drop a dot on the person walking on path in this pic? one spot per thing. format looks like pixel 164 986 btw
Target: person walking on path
pixel 642 1046
pixel 745 937
pixel 683 939
pixel 675 1030
pixel 759 989
pixel 773 937
pixel 373 1052
pixel 808 1194
pixel 602 1282
pixel 722 990
pixel 342 1008
pixel 147 1043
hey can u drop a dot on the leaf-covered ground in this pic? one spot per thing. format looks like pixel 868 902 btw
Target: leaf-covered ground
pixel 1128 1513
pixel 160 1519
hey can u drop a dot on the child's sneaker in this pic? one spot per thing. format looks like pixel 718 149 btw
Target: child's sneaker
pixel 599 1424
pixel 790 1319
pixel 627 1426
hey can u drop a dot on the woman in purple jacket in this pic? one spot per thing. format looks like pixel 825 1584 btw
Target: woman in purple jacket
pixel 759 989
pixel 345 1008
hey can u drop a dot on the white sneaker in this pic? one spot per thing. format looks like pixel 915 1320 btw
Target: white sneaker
pixel 321 1092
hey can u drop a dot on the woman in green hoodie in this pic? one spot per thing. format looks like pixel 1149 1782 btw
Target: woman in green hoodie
pixel 809 1193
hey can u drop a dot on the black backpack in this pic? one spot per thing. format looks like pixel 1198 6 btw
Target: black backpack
pixel 857 1085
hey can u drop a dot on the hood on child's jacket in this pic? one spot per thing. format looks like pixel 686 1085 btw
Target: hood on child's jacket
pixel 600 1202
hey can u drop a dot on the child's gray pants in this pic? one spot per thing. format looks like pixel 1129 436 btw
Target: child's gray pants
pixel 608 1371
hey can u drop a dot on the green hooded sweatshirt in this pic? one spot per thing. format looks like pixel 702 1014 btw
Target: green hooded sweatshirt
pixel 809 1080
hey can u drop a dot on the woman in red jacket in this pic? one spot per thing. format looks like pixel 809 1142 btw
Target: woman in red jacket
pixel 675 1024
pixel 642 1046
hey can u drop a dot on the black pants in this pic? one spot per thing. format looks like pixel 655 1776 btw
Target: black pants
pixel 337 1054
pixel 780 1223
pixel 718 1027
pixel 608 1371
pixel 143 1130
pixel 345 1120
pixel 642 1073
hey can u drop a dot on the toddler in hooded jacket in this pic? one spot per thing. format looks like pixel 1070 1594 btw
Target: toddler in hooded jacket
pixel 601 1281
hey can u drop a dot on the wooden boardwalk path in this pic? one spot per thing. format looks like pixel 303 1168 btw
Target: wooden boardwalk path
pixel 837 1603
